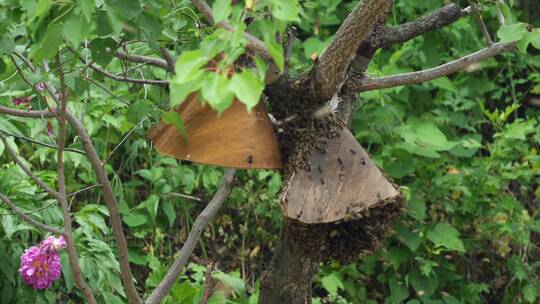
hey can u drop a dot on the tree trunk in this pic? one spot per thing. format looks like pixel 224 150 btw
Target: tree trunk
pixel 288 280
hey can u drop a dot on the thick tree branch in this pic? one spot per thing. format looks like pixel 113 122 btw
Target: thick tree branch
pixel 375 83
pixel 27 170
pixel 110 201
pixel 28 218
pixel 330 71
pixel 196 231
pixel 438 19
pixel 384 36
pixel 254 44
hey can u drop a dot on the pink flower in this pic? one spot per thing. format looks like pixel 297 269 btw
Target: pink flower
pixel 23 100
pixel 40 265
pixel 40 87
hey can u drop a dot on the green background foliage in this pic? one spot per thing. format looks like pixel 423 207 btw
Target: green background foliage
pixel 464 148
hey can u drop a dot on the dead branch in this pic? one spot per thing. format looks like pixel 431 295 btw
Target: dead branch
pixel 478 16
pixel 108 74
pixel 330 71
pixel 196 231
pixel 375 83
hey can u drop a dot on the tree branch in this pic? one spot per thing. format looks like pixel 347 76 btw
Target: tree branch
pixel 375 83
pixel 198 227
pixel 438 19
pixel 26 170
pixel 37 142
pixel 329 73
pixel 157 62
pixel 62 199
pixel 123 78
pixel 478 16
pixel 110 201
pixel 28 218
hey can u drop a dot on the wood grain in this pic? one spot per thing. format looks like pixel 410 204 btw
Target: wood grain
pixel 235 139
pixel 342 184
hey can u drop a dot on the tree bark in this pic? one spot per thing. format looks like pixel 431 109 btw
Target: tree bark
pixel 288 280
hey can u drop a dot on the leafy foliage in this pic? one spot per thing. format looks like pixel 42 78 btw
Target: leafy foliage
pixel 465 148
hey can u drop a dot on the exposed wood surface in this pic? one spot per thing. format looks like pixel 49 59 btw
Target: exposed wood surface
pixel 342 184
pixel 235 139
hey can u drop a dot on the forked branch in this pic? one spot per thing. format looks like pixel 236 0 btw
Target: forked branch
pixel 330 71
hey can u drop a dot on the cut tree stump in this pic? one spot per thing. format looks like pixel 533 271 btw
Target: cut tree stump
pixel 235 138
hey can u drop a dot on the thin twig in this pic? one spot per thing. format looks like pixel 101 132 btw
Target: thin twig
pixel 82 190
pixel 478 16
pixel 208 283
pixel 28 218
pixel 34 210
pixel 126 79
pixel 193 198
pixel 28 139
pixel 26 170
pixel 125 138
pixel 157 62
pixel 196 231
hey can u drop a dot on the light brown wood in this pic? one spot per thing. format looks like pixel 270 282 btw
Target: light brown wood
pixel 342 184
pixel 236 138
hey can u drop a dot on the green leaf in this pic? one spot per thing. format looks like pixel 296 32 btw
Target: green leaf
pixel 87 8
pixel 180 91
pixel 512 32
pixel 172 117
pixel 6 45
pixel 215 91
pixel 276 51
pixel 529 293
pixel 76 29
pixel 49 44
pixel 248 87
pixel 398 291
pixel 169 212
pixel 221 9
pixel 286 10
pixel 125 9
pixel 444 83
pixel 188 66
pixel 152 204
pixel 42 8
pixel 233 281
pixel 444 235
pixel 102 50
pixel 135 219
pixel 416 208
pixel 331 283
